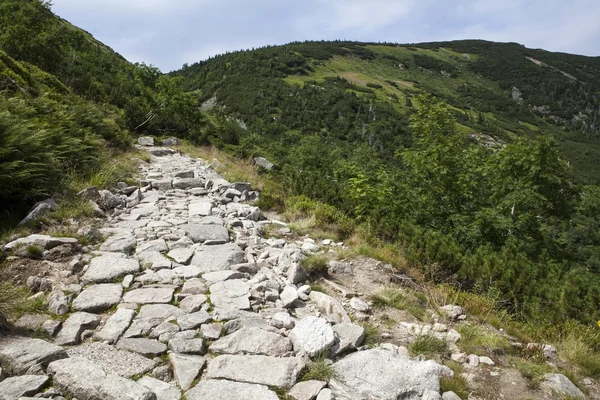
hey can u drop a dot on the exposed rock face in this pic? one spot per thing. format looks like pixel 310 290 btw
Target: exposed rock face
pixel 562 385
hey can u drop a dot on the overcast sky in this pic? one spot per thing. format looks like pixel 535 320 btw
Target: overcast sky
pixel 169 33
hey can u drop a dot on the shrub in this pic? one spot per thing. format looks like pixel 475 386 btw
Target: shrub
pixel 34 251
pixel 320 369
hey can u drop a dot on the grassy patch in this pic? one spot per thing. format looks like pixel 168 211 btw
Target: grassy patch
pixel 390 297
pixel 457 384
pixel 429 346
pixel 316 265
pixel 14 302
pixel 576 350
pixel 34 251
pixel 319 369
pixel 532 370
pixel 477 340
pixel 371 334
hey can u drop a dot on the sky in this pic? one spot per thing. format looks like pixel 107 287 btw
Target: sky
pixel 169 33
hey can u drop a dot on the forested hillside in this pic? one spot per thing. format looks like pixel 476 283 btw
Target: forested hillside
pixel 476 160
pixel 483 185
pixel 68 103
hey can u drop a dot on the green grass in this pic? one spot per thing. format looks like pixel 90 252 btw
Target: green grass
pixel 315 265
pixel 577 350
pixel 371 334
pixel 477 340
pixel 320 369
pixel 429 346
pixel 390 297
pixel 533 371
pixel 14 302
pixel 456 384
pixel 34 251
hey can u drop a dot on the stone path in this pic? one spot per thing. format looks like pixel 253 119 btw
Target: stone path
pixel 186 297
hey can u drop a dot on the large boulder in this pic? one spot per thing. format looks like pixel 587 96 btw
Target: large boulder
pixel 312 335
pixel 84 380
pixel 563 386
pixel 382 374
pixel 216 234
pixel 39 209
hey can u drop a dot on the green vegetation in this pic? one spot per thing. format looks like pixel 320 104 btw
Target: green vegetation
pixel 363 153
pixel 476 340
pixel 390 297
pixel 14 302
pixel 319 369
pixel 315 265
pixel 34 251
pixel 429 346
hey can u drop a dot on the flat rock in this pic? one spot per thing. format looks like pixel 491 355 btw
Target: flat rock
pixel 187 346
pixel 330 307
pixel 217 257
pixel 307 390
pixel 231 294
pixel 74 326
pixel 162 390
pixel 121 242
pixel 219 276
pixel 186 368
pixel 312 335
pixel 192 303
pixel 158 245
pixel 252 341
pixel 109 358
pixel 193 320
pixel 109 266
pixel 97 298
pixel 18 354
pixel 18 386
pixel 44 241
pixel 201 208
pixel 82 379
pixel 188 271
pixel 217 234
pixel 143 346
pixel 385 375
pixel 149 295
pixel 116 325
pixel 213 389
pixel 211 331
pixel 262 370
pixel 154 260
pixel 188 183
pixel 194 286
pixel 181 255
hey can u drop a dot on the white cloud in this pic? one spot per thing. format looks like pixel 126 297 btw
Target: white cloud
pixel 168 33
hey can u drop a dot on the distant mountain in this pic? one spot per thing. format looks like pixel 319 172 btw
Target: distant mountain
pixel 363 91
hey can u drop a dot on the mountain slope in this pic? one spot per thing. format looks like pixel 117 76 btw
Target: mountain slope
pixel 500 89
